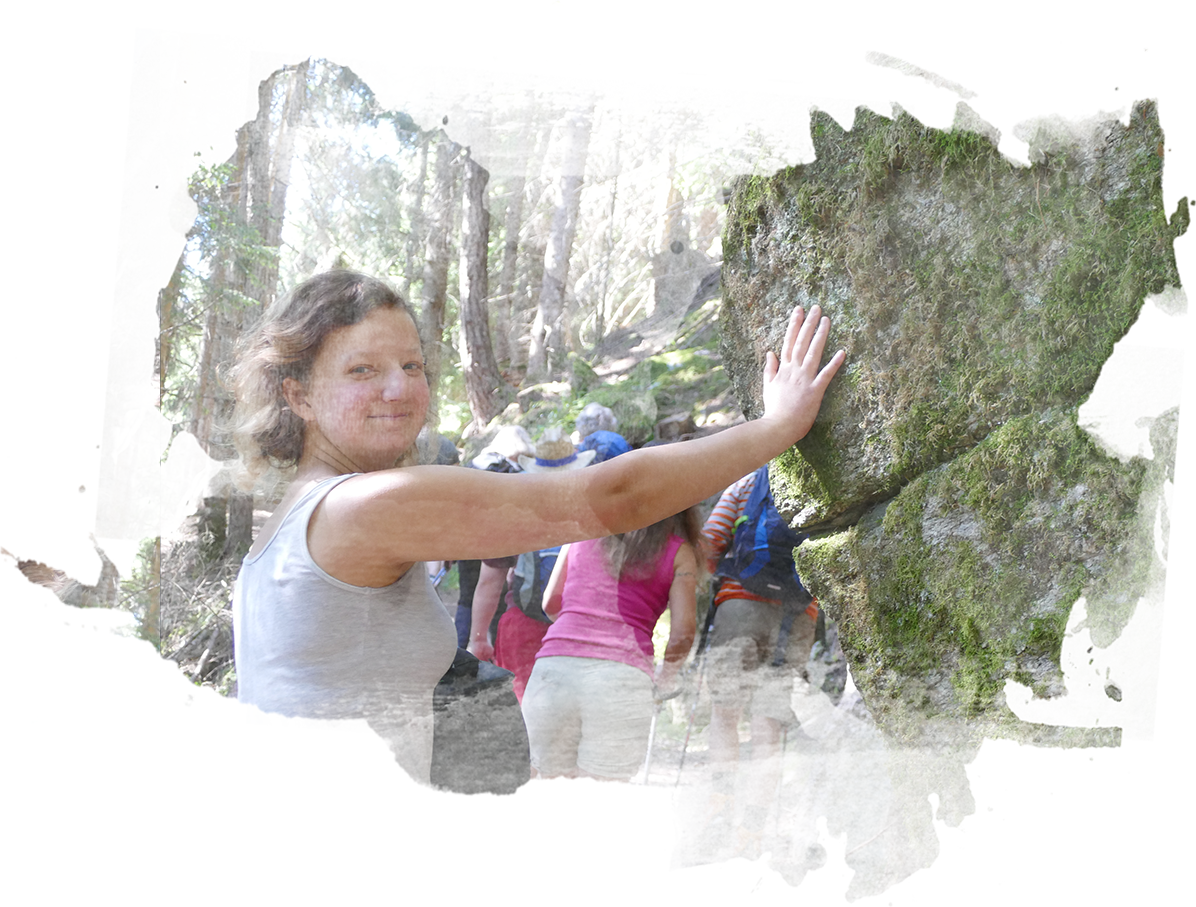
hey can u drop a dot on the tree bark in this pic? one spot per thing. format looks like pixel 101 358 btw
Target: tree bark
pixel 436 264
pixel 772 32
pixel 199 760
pixel 416 235
pixel 263 65
pixel 284 152
pixel 547 341
pixel 504 341
pixel 484 386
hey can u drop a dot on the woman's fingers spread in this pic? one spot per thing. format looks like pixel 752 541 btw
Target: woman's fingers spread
pixel 771 365
pixel 796 318
pixel 806 334
pixel 812 354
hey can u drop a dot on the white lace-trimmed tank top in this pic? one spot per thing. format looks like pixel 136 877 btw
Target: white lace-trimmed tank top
pixel 52 103
pixel 333 803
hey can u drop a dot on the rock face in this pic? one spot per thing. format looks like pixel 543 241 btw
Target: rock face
pixel 958 511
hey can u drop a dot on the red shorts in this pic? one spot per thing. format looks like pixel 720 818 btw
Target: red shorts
pixel 516 643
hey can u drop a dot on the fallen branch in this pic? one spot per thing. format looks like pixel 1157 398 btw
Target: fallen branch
pixel 840 859
pixel 199 760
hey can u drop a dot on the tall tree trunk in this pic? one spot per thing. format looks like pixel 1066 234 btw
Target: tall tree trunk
pixel 416 234
pixel 436 265
pixel 772 32
pixel 284 152
pixel 547 340
pixel 145 774
pixel 31 802
pixel 504 340
pixel 174 144
pixel 484 386
pixel 600 316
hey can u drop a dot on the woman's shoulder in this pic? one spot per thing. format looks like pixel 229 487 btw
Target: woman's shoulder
pixel 300 495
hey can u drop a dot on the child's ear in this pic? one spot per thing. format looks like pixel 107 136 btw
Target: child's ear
pixel 296 396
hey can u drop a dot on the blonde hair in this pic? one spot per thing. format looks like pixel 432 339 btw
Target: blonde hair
pixel 284 344
pixel 58 486
pixel 633 554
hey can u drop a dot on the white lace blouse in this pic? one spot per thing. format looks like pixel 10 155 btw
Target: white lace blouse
pixel 333 804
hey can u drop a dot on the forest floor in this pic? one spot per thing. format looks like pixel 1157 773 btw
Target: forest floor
pixel 666 872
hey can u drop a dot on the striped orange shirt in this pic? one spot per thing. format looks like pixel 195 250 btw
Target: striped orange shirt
pixel 718 532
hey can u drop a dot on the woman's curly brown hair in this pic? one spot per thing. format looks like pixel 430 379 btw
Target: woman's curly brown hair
pixel 43 572
pixel 284 344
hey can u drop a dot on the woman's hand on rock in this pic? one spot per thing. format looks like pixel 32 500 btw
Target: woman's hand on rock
pixel 502 833
pixel 793 382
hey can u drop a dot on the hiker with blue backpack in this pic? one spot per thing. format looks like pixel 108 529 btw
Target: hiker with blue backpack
pixel 763 628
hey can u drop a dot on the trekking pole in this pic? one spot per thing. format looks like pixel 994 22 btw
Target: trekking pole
pixel 780 781
pixel 657 707
pixel 693 709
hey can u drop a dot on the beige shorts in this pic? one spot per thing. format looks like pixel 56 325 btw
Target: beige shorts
pixel 743 641
pixel 587 714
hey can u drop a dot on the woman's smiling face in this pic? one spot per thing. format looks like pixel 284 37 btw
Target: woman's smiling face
pixel 367 395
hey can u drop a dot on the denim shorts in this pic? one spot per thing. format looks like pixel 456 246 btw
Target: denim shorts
pixel 202 892
pixel 115 31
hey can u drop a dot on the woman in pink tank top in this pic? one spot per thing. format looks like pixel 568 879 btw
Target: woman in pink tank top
pixel 588 705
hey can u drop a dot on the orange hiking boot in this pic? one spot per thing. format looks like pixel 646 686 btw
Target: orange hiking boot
pixel 745 859
pixel 720 817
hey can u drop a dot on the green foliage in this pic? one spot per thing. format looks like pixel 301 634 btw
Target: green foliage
pixel 672 382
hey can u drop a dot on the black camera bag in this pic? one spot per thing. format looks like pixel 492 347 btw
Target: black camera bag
pixel 480 756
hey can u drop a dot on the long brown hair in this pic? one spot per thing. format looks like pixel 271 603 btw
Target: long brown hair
pixel 632 555
pixel 284 344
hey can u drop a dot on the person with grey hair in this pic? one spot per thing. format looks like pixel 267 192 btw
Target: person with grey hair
pixel 594 417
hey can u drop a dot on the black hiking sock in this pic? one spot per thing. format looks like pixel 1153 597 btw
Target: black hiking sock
pixel 754 817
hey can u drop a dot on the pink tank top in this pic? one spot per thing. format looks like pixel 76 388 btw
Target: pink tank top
pixel 604 618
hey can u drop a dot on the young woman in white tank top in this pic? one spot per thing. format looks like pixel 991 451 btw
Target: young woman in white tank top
pixel 340 640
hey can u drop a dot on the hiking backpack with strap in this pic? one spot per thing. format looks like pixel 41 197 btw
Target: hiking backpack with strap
pixel 760 557
pixel 531 576
pixel 480 752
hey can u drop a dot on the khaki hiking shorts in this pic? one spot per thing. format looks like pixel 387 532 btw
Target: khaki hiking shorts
pixel 743 641
pixel 589 715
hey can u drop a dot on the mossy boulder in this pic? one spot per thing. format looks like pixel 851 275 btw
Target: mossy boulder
pixel 957 510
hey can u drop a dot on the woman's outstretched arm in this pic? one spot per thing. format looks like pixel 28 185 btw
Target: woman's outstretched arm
pixel 376 524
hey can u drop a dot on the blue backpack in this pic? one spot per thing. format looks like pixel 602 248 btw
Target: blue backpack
pixel 760 557
pixel 531 576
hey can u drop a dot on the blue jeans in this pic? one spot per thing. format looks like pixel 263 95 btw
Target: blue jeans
pixel 202 892
pixel 115 31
